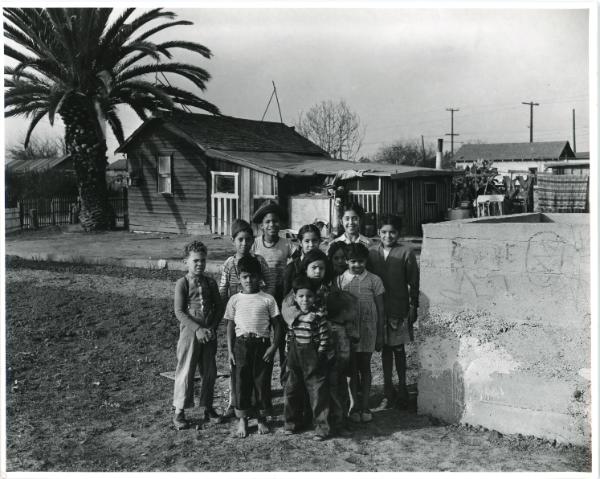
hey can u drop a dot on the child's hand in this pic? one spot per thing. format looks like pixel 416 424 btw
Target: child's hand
pixel 269 353
pixel 231 359
pixel 203 335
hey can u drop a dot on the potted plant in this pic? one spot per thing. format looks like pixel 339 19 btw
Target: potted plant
pixel 468 184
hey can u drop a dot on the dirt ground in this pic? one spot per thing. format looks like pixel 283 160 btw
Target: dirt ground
pixel 85 349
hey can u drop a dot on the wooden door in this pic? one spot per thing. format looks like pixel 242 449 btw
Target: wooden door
pixel 225 200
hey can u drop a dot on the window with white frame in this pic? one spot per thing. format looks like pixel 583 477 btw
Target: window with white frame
pixel 165 185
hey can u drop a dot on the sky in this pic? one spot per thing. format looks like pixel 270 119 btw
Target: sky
pixel 399 69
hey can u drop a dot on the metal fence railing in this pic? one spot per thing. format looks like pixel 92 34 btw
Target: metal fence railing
pixel 40 212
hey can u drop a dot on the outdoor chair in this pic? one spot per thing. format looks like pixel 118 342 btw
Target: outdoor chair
pixel 487 205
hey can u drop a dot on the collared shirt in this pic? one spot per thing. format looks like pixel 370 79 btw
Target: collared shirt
pixel 347 277
pixel 197 302
pixel 360 239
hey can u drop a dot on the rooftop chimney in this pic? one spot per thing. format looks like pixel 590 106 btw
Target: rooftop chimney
pixel 439 154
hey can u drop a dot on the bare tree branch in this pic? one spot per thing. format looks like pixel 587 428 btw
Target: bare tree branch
pixel 334 127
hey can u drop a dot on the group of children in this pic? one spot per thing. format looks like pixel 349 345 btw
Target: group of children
pixel 324 313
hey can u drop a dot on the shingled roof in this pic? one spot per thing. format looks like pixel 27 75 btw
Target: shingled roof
pixel 228 133
pixel 539 150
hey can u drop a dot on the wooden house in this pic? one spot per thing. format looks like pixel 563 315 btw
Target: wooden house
pixel 194 173
pixel 514 157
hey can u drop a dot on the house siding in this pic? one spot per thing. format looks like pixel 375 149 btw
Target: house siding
pixel 252 184
pixel 186 209
pixel 415 211
pixel 505 167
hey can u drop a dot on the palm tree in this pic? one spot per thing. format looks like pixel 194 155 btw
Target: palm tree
pixel 80 64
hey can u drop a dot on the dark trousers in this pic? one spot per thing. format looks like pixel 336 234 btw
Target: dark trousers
pixel 306 372
pixel 339 398
pixel 251 375
pixel 192 354
pixel 391 355
pixel 282 360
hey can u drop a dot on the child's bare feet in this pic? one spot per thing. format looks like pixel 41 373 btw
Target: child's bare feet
pixel 262 427
pixel 242 430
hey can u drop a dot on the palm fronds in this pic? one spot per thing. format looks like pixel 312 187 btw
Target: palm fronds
pixel 61 52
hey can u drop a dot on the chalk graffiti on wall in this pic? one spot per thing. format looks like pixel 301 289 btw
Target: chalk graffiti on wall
pixel 471 278
pixel 545 258
pixel 558 264
pixel 483 271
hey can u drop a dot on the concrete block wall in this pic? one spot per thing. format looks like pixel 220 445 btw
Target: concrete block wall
pixel 504 324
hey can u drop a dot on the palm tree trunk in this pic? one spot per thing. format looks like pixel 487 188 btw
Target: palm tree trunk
pixel 87 147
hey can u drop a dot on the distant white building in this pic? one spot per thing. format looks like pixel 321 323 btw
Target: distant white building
pixel 521 158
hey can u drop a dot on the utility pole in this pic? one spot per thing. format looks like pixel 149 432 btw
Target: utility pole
pixel 574 147
pixel 423 148
pixel 452 134
pixel 531 105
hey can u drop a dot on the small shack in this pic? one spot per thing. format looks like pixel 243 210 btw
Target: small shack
pixel 195 173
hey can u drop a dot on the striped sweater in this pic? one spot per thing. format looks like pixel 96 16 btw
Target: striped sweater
pixel 306 328
pixel 229 283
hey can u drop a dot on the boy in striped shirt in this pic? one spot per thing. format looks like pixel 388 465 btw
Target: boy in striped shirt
pixel 250 315
pixel 307 358
pixel 242 237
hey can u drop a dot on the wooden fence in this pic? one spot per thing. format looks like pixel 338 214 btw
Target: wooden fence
pixel 11 220
pixel 40 212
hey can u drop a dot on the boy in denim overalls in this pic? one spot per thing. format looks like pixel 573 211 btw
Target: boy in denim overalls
pixel 199 309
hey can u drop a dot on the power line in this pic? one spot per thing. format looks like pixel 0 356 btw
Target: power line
pixel 531 105
pixel 471 111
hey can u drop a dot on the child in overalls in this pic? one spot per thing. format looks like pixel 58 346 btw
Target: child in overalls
pixel 308 344
pixel 198 308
